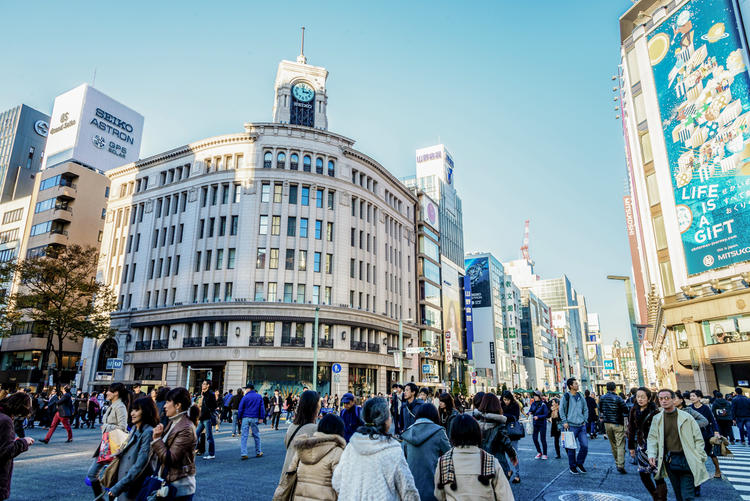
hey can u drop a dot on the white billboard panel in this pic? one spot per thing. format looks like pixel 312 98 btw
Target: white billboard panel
pixel 93 129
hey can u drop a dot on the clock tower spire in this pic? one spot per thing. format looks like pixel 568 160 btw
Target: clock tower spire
pixel 300 90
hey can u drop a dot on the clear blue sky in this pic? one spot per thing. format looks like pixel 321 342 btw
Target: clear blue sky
pixel 520 93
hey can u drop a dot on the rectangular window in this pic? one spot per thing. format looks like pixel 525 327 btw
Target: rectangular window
pixel 272 292
pixel 329 232
pixel 151 269
pixel 228 291
pixel 237 193
pixel 275 225
pixel 179 238
pixel 353 268
pixel 330 199
pixel 293 194
pixel 291 226
pixel 305 195
pixel 211 226
pixel 263 226
pixel 234 226
pixel 646 153
pixel 231 253
pixel 224 193
pixel 214 194
pixel 660 234
pixel 270 328
pixel 208 259
pixel 318 229
pixel 316 262
pixel 288 292
pixel 259 292
pixel 204 196
pixel 176 264
pixel 652 189
pixel 301 293
pixel 665 269
pixel 273 259
pixel 201 228
pixel 354 237
pixel 154 243
pixel 319 199
pixel 289 262
pixel 260 259
pixel 302 260
pixel 222 226
pixel 219 258
pixel 277 191
pixel 316 294
pixel 303 227
pixel 204 296
pixel 265 192
pixel 217 292
pixel 328 296
pixel 198 261
pixel 171 235
pixel 329 263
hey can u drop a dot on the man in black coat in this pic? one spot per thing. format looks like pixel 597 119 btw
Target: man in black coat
pixel 612 411
pixel 208 407
pixel 274 406
pixel 396 402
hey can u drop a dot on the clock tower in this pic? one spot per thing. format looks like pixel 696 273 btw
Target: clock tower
pixel 301 93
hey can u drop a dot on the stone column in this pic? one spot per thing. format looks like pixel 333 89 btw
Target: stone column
pixel 235 374
pixel 703 375
pixel 175 375
pixel 382 381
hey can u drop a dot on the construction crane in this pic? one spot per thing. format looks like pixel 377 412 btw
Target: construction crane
pixel 525 246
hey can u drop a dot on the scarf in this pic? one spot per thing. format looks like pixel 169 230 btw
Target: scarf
pixel 448 470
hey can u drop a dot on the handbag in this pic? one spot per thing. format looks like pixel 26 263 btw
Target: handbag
pixel 677 463
pixel 569 440
pixel 156 488
pixel 515 430
pixel 108 476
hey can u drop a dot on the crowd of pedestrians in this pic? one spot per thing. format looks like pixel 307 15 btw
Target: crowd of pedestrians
pixel 413 444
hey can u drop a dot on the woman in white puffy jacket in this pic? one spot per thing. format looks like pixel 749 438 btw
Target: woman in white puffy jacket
pixel 373 466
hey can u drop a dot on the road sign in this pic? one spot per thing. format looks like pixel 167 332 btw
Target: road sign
pixel 426 368
pixel 114 363
pixel 410 350
pixel 336 368
pixel 473 381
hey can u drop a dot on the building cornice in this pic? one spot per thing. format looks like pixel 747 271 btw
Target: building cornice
pixel 361 157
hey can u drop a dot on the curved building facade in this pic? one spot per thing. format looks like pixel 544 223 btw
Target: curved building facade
pixel 224 252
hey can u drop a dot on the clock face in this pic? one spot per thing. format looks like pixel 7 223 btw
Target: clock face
pixel 303 92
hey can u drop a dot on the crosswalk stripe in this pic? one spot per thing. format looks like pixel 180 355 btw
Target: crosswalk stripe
pixel 745 497
pixel 741 487
pixel 737 479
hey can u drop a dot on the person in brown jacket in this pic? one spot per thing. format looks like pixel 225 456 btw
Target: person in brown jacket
pixel 174 446
pixel 16 405
pixel 315 459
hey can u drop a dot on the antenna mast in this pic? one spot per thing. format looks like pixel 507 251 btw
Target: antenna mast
pixel 301 58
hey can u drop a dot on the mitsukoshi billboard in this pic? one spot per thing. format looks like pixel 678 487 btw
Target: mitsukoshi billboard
pixel 704 98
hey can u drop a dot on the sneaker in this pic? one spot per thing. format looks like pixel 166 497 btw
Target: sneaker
pixel 538 456
pixel 574 471
pixel 258 455
pixel 544 457
pixel 244 457
pixel 621 471
pixel 582 469
pixel 209 457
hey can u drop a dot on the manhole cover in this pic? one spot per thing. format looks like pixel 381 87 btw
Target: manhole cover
pixel 586 496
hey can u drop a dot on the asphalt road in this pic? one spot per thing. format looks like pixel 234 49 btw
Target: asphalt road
pixel 57 472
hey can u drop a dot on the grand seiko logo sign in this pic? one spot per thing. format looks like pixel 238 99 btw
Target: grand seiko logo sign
pixel 113 125
pixel 64 123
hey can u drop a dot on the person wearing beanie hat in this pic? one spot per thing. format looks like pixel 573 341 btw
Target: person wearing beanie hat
pixel 351 415
pixel 373 466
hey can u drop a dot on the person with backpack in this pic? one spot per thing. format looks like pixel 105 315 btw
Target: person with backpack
pixel 467 471
pixel 722 411
pixel 424 442
pixel 574 414
pixel 350 415
pixel 494 439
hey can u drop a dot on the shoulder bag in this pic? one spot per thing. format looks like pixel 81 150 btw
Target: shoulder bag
pixel 515 430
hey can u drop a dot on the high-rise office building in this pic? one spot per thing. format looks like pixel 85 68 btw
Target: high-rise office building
pixel 23 133
pixel 685 93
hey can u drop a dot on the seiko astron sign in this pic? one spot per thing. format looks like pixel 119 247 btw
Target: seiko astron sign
pixel 93 129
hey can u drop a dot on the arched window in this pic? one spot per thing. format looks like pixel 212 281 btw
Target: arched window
pixel 306 163
pixel 107 350
pixel 293 161
pixel 281 160
pixel 331 168
pixel 267 159
pixel 319 166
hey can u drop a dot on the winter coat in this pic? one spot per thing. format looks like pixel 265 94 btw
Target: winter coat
pixel 352 420
pixel 208 405
pixel 315 459
pixel 447 421
pixel 722 409
pixel 741 407
pixel 467 462
pixel 612 408
pixel 699 418
pixel 373 469
pixel 540 410
pixel 65 405
pixel 573 410
pixel 234 404
pixel 639 424
pixel 134 456
pixel 424 442
pixel 692 445
pixel 305 430
pixel 116 417
pixel 10 447
pixel 177 452
pixel 251 406
pixel 591 406
pixel 713 426
pixel 499 445
pixel 408 411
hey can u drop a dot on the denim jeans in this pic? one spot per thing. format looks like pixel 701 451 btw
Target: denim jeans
pixel 583 445
pixel 744 425
pixel 94 470
pixel 682 484
pixel 247 424
pixel 206 423
pixel 516 469
pixel 236 425
pixel 540 432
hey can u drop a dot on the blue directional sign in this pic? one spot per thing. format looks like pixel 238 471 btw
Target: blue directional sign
pixel 426 368
pixel 336 368
pixel 114 363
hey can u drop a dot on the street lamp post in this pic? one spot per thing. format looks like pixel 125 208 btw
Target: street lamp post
pixel 401 349
pixel 633 326
pixel 315 351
